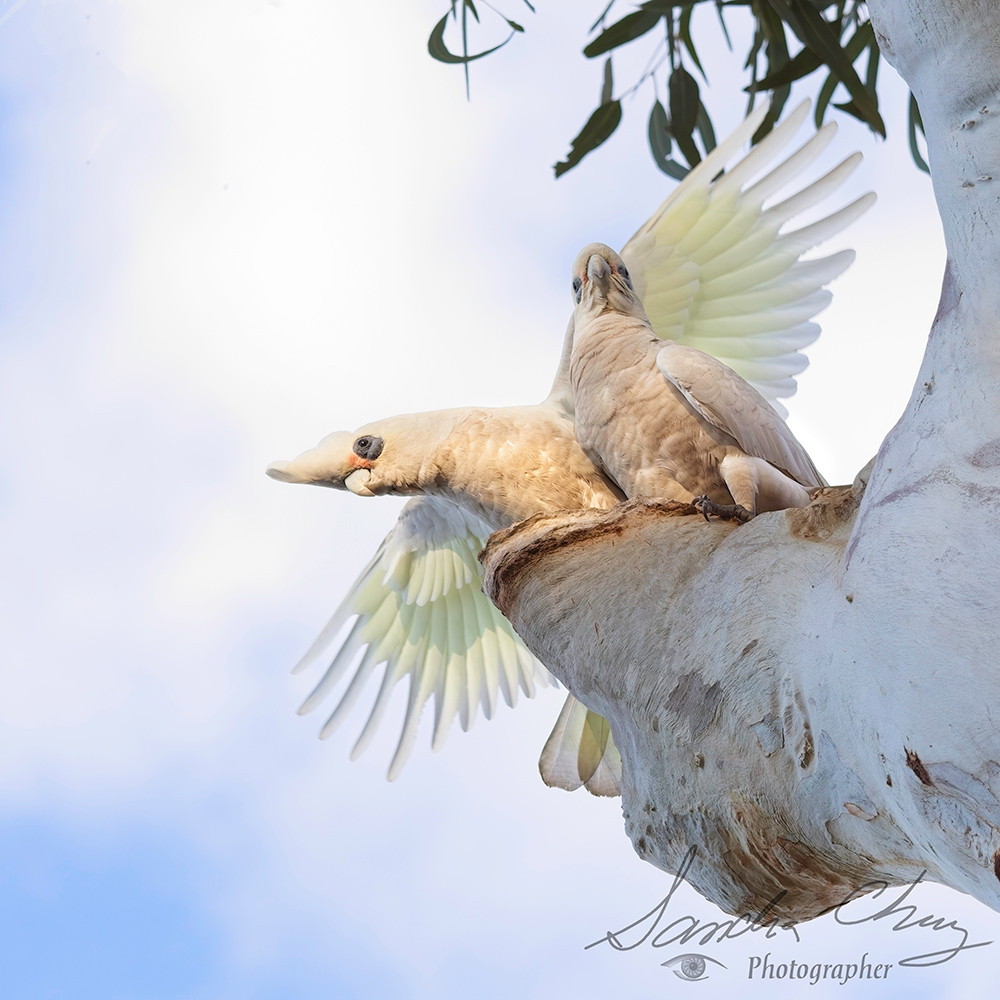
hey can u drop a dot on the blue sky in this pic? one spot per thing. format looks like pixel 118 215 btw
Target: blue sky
pixel 227 229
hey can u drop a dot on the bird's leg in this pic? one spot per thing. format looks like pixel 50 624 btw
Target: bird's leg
pixel 728 512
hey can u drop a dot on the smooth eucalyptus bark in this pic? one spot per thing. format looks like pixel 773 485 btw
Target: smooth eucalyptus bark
pixel 808 699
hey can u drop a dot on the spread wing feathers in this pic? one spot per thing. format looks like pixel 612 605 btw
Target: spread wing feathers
pixel 419 609
pixel 726 400
pixel 715 270
pixel 580 751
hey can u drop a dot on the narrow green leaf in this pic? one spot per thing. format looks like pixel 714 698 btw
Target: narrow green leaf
pixel 529 6
pixel 686 145
pixel 684 101
pixel 758 43
pixel 672 168
pixel 916 122
pixel 684 33
pixel 818 34
pixel 472 7
pixel 629 28
pixel 824 97
pixel 722 24
pixel 609 82
pixel 801 65
pixel 779 98
pixel 669 6
pixel 465 46
pixel 659 134
pixel 851 108
pixel 863 38
pixel 438 50
pixel 600 125
pixel 871 77
pixel 600 20
pixel 776 49
pixel 705 129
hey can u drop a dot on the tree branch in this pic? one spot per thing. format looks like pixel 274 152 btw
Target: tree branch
pixel 807 698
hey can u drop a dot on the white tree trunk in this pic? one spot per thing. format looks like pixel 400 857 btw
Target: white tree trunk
pixel 807 699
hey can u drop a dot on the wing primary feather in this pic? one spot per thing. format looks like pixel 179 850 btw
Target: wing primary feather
pixel 351 695
pixel 336 669
pixel 766 150
pixel 808 236
pixel 700 176
pixel 344 611
pixel 814 193
pixel 821 270
pixel 420 689
pixel 445 700
pixel 507 660
pixel 474 677
pixel 458 668
pixel 533 671
pixel 789 168
pixel 491 654
pixel 367 733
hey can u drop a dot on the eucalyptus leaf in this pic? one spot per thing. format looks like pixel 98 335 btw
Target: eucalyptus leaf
pixel 684 34
pixel 439 51
pixel 629 28
pixel 801 65
pixel 914 123
pixel 705 129
pixel 817 34
pixel 685 100
pixel 660 144
pixel 609 82
pixel 600 125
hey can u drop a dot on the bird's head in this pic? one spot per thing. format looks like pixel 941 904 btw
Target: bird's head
pixel 343 460
pixel 601 281
pixel 392 455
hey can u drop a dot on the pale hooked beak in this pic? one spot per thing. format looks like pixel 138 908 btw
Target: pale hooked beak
pixel 357 482
pixel 598 268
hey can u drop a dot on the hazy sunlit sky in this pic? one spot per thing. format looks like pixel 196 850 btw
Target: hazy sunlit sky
pixel 228 229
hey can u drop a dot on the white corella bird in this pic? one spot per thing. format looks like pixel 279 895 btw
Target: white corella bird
pixel 418 609
pixel 666 420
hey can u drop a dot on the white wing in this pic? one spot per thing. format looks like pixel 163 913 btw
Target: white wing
pixel 715 271
pixel 419 609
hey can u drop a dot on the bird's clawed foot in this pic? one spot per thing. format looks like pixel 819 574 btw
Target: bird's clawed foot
pixel 728 512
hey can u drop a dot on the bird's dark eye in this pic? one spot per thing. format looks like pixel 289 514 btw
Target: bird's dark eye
pixel 577 288
pixel 368 447
pixel 623 271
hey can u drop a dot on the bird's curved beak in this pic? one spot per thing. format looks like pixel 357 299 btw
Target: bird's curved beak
pixel 598 269
pixel 357 482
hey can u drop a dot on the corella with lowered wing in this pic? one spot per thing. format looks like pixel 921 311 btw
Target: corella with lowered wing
pixel 418 607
